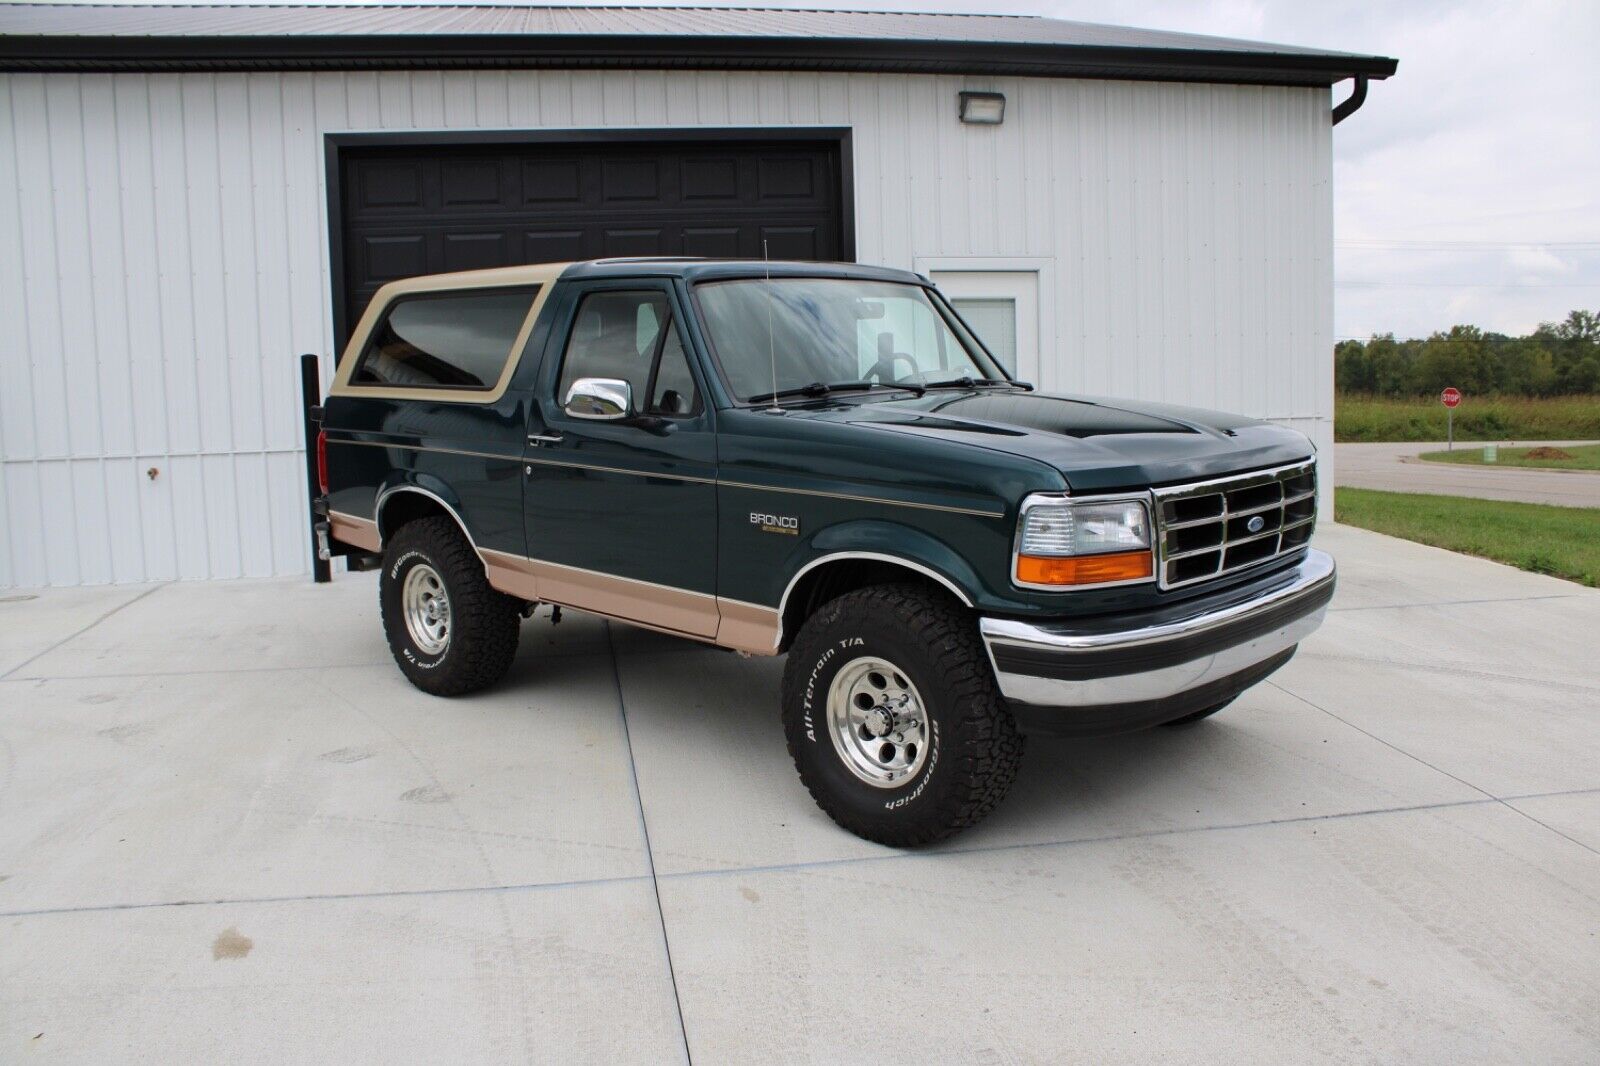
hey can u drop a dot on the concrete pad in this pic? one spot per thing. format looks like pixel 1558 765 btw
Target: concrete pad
pixel 578 975
pixel 288 783
pixel 32 621
pixel 467 880
pixel 720 789
pixel 1574 815
pixel 1460 934
pixel 1505 736
pixel 1381 571
pixel 1545 642
pixel 281 623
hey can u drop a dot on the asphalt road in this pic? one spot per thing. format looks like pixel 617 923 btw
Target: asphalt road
pixel 231 832
pixel 1395 468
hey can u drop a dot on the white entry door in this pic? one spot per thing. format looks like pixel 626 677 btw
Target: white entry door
pixel 1002 307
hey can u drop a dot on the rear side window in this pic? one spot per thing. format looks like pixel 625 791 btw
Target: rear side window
pixel 454 341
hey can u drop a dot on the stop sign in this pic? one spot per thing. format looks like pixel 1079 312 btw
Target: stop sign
pixel 1450 397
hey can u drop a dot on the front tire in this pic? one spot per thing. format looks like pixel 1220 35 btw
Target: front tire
pixel 449 631
pixel 893 718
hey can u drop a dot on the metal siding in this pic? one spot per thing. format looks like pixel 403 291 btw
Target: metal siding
pixel 173 261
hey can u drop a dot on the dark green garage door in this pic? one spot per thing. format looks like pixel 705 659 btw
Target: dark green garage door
pixel 409 210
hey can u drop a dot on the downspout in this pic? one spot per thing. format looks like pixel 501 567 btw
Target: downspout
pixel 1357 97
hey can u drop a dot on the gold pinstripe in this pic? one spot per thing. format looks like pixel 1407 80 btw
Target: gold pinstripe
pixel 681 477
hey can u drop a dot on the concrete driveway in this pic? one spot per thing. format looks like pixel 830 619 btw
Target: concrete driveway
pixel 230 832
pixel 1396 468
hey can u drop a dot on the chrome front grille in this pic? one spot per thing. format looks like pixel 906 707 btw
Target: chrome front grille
pixel 1211 528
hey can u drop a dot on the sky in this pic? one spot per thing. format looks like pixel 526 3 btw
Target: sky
pixel 1466 190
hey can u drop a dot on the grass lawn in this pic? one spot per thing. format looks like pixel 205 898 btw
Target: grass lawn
pixel 1375 418
pixel 1584 457
pixel 1561 541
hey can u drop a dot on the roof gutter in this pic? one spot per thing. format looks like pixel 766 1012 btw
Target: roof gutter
pixel 263 52
pixel 1358 96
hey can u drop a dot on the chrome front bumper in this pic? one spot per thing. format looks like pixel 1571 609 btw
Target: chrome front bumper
pixel 1099 675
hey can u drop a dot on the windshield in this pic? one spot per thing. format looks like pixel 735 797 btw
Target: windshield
pixel 791 335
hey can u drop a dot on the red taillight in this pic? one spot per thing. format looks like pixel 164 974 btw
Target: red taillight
pixel 322 461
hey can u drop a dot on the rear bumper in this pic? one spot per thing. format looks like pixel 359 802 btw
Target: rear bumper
pixel 1108 675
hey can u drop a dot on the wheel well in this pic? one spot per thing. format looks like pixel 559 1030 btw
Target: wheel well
pixel 832 580
pixel 402 508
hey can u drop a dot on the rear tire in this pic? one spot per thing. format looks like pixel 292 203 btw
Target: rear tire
pixel 893 717
pixel 449 631
pixel 1197 716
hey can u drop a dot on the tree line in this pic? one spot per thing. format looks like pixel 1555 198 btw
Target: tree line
pixel 1557 359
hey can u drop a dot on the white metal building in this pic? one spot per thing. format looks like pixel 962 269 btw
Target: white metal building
pixel 194 195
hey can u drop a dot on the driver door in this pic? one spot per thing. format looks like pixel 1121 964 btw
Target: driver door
pixel 621 514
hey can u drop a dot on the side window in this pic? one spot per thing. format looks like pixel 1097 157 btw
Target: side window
pixel 674 392
pixel 630 335
pixel 455 341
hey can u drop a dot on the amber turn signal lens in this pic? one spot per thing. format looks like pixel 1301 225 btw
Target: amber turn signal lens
pixel 1084 569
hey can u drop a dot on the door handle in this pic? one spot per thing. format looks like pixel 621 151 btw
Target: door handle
pixel 539 440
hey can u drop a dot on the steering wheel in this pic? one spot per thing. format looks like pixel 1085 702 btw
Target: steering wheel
pixel 883 369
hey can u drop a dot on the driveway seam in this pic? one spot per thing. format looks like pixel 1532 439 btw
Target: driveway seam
pixel 68 639
pixel 801 867
pixel 649 853
pixel 1395 747
pixel 1452 668
pixel 311 668
pixel 1458 603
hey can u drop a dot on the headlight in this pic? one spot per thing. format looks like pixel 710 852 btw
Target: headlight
pixel 1065 542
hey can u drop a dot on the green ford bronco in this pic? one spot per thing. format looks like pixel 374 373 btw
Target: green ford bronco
pixel 822 461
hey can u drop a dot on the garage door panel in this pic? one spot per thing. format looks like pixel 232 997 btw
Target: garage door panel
pixel 384 184
pixel 787 178
pixel 397 256
pixel 551 181
pixel 475 251
pixel 410 210
pixel 471 182
pixel 714 178
pixel 638 242
pixel 553 246
pixel 792 242
pixel 712 242
pixel 625 180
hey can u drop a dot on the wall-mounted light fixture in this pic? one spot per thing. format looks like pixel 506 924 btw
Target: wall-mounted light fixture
pixel 983 109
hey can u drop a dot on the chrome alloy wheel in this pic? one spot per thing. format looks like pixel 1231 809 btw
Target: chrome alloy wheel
pixel 426 608
pixel 877 721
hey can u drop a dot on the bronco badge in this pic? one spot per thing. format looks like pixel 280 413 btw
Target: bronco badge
pixel 776 523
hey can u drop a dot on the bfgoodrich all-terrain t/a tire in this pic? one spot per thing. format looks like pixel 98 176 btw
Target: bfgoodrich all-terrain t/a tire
pixel 893 717
pixel 449 630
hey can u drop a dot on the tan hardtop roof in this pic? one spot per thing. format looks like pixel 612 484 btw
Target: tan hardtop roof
pixel 527 274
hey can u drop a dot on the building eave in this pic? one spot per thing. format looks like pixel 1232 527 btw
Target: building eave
pixel 100 54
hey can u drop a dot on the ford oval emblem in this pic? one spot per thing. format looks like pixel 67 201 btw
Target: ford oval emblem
pixel 1256 524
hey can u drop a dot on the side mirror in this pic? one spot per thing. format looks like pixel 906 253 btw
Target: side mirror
pixel 599 399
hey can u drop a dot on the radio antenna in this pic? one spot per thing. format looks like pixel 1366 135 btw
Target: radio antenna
pixel 772 351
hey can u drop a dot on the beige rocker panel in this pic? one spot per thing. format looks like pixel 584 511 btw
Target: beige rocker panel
pixel 542 275
pixel 745 627
pixel 357 532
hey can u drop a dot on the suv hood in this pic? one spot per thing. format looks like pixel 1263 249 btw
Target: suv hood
pixel 1097 443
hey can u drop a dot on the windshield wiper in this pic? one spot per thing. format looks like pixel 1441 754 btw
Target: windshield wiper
pixel 822 388
pixel 967 381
